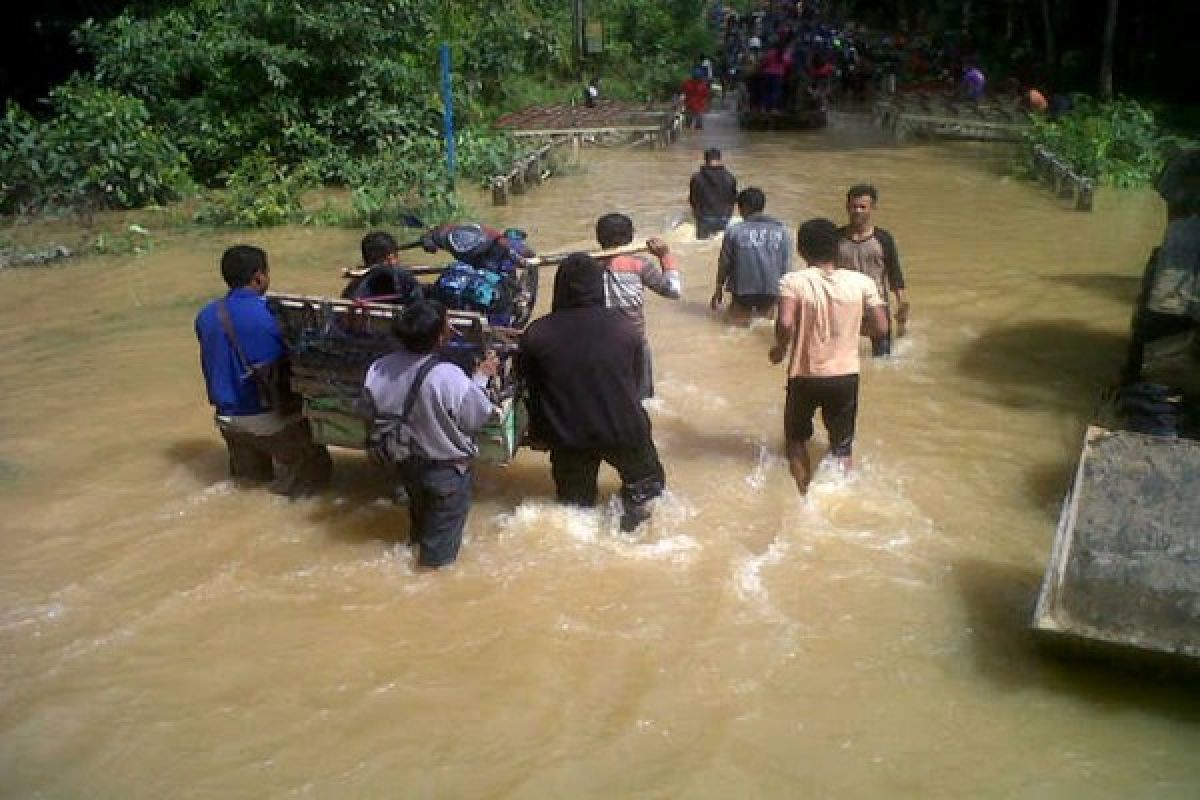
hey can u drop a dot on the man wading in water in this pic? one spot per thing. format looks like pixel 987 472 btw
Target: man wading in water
pixel 872 251
pixel 583 365
pixel 712 192
pixel 755 255
pixel 821 310
pixel 245 371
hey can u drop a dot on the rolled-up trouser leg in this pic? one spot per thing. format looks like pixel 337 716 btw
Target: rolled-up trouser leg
pixel 304 466
pixel 249 456
pixel 642 479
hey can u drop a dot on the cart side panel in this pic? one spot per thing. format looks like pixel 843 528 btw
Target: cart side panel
pixel 332 344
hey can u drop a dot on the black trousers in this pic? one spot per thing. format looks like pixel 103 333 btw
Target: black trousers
pixel 575 472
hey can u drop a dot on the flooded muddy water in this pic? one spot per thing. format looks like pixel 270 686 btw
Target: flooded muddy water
pixel 164 635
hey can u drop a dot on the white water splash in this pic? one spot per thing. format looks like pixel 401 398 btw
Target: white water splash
pixel 661 538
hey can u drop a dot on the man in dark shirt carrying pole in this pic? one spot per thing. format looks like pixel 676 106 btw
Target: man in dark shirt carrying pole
pixel 711 194
pixel 582 364
pixel 872 251
pixel 243 357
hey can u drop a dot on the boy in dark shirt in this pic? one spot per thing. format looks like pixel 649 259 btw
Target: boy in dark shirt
pixel 711 194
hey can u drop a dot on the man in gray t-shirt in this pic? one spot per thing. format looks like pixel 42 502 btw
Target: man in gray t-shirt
pixel 449 409
pixel 755 255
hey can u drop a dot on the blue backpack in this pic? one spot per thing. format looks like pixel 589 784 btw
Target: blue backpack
pixel 465 288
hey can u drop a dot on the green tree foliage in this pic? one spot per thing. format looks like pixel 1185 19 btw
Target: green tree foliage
pixel 265 98
pixel 97 150
pixel 1117 143
pixel 322 80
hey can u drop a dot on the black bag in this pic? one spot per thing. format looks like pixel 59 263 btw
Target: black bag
pixel 273 379
pixel 390 440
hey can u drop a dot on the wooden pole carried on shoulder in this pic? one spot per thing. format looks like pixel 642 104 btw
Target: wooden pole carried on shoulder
pixel 533 261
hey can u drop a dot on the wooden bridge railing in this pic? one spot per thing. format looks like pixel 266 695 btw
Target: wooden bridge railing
pixel 1064 179
pixel 659 128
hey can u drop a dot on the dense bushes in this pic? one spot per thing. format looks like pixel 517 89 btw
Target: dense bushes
pixel 1118 143
pixel 97 150
pixel 267 98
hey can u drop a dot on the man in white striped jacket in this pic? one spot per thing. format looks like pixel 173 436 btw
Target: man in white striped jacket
pixel 627 277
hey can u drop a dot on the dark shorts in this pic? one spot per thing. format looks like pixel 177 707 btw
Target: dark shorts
pixel 836 396
pixel 755 303
pixel 439 497
pixel 289 461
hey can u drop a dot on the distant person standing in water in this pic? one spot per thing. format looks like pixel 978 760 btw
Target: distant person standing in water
pixel 821 310
pixel 711 194
pixel 872 251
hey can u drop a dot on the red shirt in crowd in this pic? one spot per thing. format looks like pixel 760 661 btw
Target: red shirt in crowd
pixel 695 95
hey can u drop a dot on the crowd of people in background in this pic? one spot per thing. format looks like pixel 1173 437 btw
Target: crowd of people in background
pixel 787 54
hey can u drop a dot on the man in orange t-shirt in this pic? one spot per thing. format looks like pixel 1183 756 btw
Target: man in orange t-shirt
pixel 821 311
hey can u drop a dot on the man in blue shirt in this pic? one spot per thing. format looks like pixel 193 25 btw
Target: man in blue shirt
pixel 244 360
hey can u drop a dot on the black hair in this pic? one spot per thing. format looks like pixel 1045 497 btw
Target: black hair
pixel 863 190
pixel 816 240
pixel 712 154
pixel 419 326
pixel 614 230
pixel 751 201
pixel 241 263
pixel 377 246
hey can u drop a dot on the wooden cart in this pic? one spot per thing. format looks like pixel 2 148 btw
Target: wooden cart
pixel 334 341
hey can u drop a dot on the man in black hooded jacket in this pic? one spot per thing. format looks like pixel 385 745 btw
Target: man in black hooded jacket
pixel 712 193
pixel 582 364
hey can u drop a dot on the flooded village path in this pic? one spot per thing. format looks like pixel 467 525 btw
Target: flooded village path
pixel 163 635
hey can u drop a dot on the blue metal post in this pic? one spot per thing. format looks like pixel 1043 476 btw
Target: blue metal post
pixel 448 112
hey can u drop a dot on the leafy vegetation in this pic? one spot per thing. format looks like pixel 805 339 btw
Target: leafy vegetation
pixel 265 99
pixel 1118 144
pixel 98 150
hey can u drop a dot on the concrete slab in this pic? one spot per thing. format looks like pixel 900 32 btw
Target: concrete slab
pixel 1125 568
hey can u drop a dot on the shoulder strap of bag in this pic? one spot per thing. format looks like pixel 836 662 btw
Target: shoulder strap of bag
pixel 227 324
pixel 411 399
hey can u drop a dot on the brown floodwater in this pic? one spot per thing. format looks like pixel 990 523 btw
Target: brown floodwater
pixel 165 635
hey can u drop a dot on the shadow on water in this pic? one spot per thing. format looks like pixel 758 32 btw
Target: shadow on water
pixel 1000 599
pixel 1048 483
pixel 1057 365
pixel 1122 289
pixel 689 439
pixel 206 459
pixel 357 506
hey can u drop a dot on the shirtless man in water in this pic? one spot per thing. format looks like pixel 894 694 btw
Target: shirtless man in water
pixel 821 310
